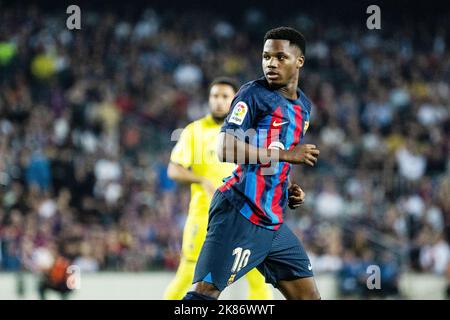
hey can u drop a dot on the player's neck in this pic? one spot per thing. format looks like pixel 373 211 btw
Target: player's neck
pixel 217 120
pixel 290 90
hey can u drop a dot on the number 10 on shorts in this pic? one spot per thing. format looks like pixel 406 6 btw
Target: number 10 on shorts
pixel 241 259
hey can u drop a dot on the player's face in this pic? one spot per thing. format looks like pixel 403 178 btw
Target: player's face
pixel 281 62
pixel 220 97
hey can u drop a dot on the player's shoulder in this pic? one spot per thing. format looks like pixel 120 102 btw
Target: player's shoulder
pixel 305 101
pixel 253 88
pixel 202 121
pixel 190 127
pixel 256 94
pixel 196 124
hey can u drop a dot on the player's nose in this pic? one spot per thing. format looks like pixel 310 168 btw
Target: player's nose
pixel 221 106
pixel 272 64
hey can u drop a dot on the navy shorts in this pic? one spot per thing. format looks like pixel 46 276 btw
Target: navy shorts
pixel 234 245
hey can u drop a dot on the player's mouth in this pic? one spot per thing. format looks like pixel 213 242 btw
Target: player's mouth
pixel 271 75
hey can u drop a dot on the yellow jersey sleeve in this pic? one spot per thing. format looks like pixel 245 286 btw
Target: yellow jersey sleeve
pixel 183 152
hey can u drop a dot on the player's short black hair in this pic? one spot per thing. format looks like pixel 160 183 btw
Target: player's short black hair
pixel 295 37
pixel 225 80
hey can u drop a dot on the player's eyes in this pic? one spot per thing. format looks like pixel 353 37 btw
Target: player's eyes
pixel 266 57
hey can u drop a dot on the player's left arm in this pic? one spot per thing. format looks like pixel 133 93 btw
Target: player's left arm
pixel 296 196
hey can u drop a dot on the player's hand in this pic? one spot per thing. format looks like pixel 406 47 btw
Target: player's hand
pixel 304 154
pixel 208 186
pixel 296 196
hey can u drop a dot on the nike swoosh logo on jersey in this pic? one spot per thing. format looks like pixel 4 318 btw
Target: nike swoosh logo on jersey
pixel 277 124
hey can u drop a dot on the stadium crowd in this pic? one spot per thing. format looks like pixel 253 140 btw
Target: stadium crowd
pixel 85 135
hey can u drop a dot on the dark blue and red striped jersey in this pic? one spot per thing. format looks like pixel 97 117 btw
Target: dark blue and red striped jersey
pixel 266 119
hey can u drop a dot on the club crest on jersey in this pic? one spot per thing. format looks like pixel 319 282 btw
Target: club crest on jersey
pixel 306 126
pixel 231 279
pixel 239 112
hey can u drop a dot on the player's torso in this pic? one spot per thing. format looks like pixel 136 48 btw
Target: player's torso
pixel 282 123
pixel 206 163
pixel 262 191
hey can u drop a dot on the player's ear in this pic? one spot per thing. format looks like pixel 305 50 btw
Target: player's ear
pixel 300 60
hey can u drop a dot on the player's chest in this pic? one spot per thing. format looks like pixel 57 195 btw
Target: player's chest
pixel 208 139
pixel 285 123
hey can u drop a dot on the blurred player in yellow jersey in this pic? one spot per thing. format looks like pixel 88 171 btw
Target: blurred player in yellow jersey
pixel 194 160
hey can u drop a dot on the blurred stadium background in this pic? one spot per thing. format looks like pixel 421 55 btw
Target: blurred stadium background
pixel 86 118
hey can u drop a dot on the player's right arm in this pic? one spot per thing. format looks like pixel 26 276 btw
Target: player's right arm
pixel 232 148
pixel 301 154
pixel 182 159
pixel 180 174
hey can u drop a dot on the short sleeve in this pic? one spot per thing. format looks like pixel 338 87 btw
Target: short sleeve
pixel 242 112
pixel 183 152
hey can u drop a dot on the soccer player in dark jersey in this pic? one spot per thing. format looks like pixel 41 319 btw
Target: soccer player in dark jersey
pixel 245 228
